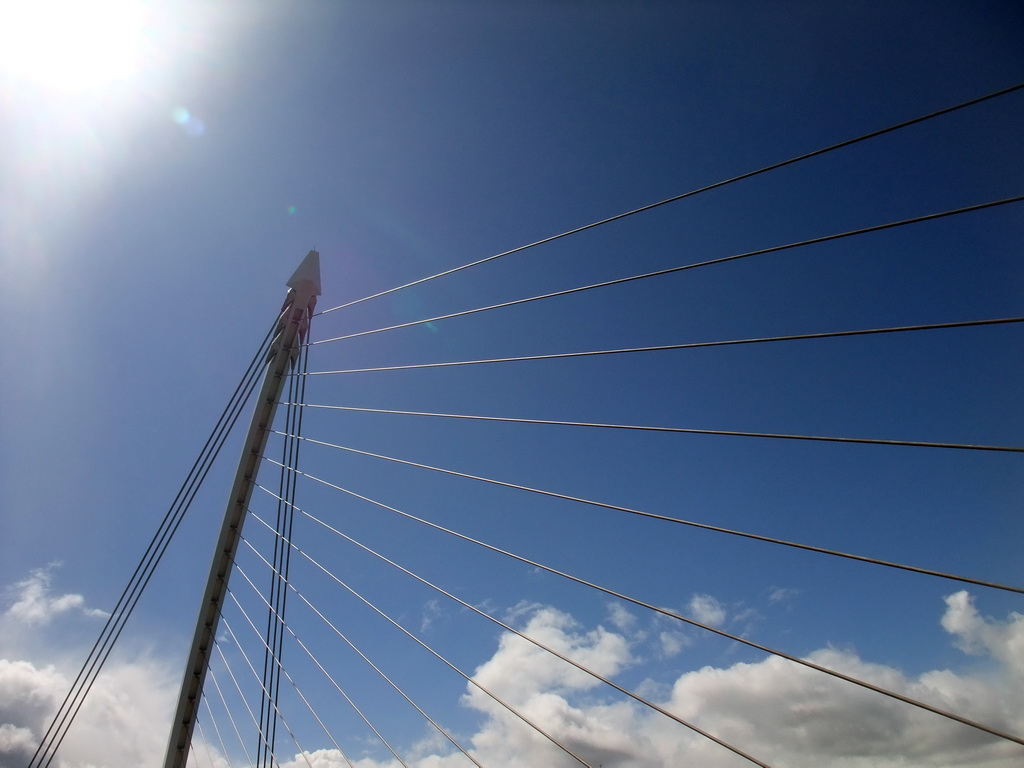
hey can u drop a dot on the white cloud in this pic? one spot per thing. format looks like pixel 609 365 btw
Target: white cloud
pixel 779 594
pixel 707 610
pixel 34 605
pixel 793 715
pixel 27 697
pixel 125 719
pixel 332 758
pixel 977 635
pixel 205 755
pixel 537 671
pixel 431 610
pixel 16 744
pixel 620 617
pixel 778 711
pixel 672 643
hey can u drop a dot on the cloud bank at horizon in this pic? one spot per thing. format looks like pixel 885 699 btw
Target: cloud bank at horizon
pixel 780 713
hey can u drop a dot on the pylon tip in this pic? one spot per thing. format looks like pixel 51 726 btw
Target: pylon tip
pixel 308 271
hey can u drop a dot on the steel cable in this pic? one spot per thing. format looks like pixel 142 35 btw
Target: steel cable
pixel 691 193
pixel 380 672
pixel 220 738
pixel 281 666
pixel 227 710
pixel 692 622
pixel 667 519
pixel 206 745
pixel 282 557
pixel 677 430
pixel 695 265
pixel 690 345
pixel 314 659
pixel 256 675
pixel 597 676
pixel 231 674
pixel 468 678
pixel 132 592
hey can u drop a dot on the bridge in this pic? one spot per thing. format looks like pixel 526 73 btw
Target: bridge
pixel 578 519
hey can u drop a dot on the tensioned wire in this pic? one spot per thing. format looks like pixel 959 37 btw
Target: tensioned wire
pixel 497 699
pixel 315 660
pixel 677 430
pixel 665 612
pixel 688 345
pixel 206 744
pixel 245 701
pixel 281 619
pixel 132 592
pixel 256 675
pixel 365 658
pixel 220 738
pixel 542 646
pixel 227 709
pixel 238 687
pixel 282 555
pixel 694 265
pixel 563 236
pixel 280 665
pixel 664 518
pixel 691 193
pixel 194 749
pixel 847 143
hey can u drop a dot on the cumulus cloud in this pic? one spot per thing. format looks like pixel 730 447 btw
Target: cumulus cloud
pixel 33 603
pixel 332 758
pixel 125 720
pixel 540 672
pixel 620 617
pixel 707 610
pixel 794 716
pixel 781 713
pixel 976 635
pixel 205 755
pixel 27 698
pixel 671 643
pixel 778 711
pixel 124 723
pixel 665 637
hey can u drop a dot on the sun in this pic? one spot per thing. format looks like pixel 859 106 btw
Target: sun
pixel 72 45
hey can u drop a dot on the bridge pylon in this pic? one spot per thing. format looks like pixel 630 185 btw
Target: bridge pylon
pixel 293 324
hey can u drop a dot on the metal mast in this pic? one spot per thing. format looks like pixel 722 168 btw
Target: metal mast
pixel 304 287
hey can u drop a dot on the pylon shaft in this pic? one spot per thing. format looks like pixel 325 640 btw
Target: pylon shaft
pixel 298 307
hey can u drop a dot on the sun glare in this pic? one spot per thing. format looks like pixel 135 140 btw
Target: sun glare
pixel 71 45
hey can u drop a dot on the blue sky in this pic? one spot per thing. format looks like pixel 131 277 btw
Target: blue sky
pixel 151 215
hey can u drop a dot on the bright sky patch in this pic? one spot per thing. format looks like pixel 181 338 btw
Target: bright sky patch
pixel 70 45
